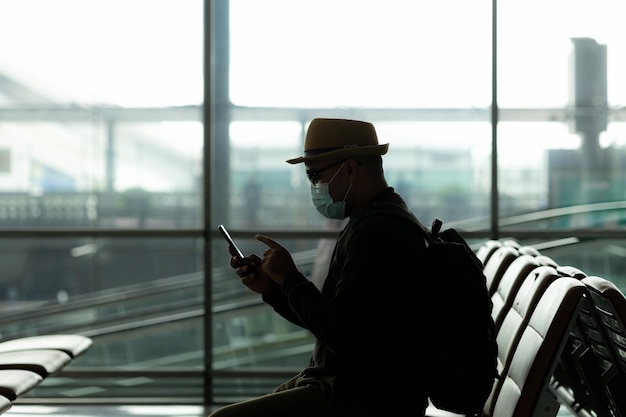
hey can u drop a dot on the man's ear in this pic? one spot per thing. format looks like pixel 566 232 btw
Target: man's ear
pixel 349 166
pixel 352 166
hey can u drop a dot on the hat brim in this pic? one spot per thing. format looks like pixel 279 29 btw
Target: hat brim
pixel 355 151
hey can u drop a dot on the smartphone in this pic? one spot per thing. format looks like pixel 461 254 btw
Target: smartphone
pixel 238 253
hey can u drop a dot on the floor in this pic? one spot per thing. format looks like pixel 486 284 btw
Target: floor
pixel 106 410
pixel 126 411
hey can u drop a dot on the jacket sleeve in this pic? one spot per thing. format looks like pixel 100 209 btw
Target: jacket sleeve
pixel 375 289
pixel 280 302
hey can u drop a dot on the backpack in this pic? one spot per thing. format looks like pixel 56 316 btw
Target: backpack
pixel 464 364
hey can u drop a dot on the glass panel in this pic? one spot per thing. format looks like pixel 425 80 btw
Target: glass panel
pixel 438 174
pixel 140 300
pixel 101 109
pixel 72 151
pixel 68 174
pixel 604 257
pixel 404 54
pixel 65 273
pixel 139 53
pixel 379 65
pixel 562 165
pixel 600 257
pixel 246 331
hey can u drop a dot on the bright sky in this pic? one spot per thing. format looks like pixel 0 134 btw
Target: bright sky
pixel 415 53
pixel 335 53
pixel 123 52
pixel 323 52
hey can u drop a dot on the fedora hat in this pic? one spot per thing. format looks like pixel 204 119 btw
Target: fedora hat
pixel 339 138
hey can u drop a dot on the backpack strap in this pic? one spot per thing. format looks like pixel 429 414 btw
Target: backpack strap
pixel 392 209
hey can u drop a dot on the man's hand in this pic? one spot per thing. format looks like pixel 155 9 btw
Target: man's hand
pixel 251 274
pixel 277 262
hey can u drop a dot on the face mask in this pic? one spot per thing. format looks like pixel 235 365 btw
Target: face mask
pixel 324 203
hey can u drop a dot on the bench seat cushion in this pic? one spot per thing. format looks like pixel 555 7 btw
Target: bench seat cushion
pixel 72 344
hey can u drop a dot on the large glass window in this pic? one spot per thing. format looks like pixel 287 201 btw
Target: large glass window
pixel 129 129
pixel 562 133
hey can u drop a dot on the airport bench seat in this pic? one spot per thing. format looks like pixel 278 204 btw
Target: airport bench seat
pixel 72 344
pixel 26 362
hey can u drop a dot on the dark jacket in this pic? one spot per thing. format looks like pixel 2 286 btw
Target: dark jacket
pixel 367 318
